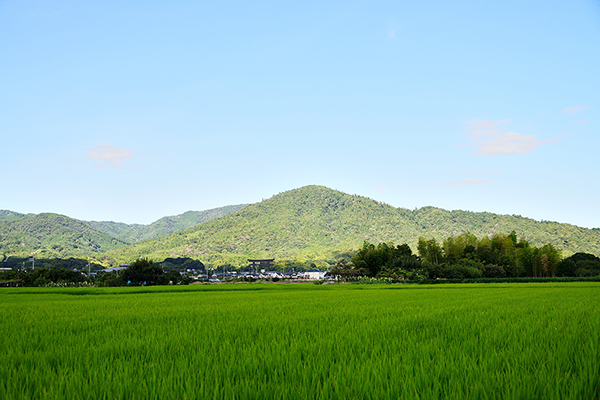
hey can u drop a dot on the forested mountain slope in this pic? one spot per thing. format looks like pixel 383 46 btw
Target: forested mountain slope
pixel 318 223
pixel 7 215
pixel 570 238
pixel 309 223
pixel 133 233
pixel 51 236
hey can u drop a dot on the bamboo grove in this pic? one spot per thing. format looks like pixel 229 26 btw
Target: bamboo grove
pixel 465 256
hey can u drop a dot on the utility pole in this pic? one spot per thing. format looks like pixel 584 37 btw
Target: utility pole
pixel 33 260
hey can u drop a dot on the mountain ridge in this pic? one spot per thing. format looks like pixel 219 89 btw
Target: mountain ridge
pixel 53 235
pixel 133 233
pixel 317 222
pixel 311 222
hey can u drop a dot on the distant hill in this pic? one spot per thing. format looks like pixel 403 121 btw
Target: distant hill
pixel 50 236
pixel 133 233
pixel 318 223
pixel 7 215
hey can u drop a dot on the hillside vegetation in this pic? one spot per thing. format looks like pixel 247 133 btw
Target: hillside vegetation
pixel 133 233
pixel 318 224
pixel 58 236
pixel 312 224
pixel 51 236
pixel 7 215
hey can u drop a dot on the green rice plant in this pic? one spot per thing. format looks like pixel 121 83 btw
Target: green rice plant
pixel 302 341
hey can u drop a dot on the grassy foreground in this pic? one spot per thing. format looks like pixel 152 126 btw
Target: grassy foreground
pixel 260 341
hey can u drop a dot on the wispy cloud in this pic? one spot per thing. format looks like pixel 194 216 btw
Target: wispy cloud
pixel 467 182
pixel 509 143
pixel 491 141
pixel 383 186
pixel 110 156
pixel 485 127
pixel 480 173
pixel 573 110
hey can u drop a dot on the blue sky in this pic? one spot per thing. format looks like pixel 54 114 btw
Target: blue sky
pixel 130 111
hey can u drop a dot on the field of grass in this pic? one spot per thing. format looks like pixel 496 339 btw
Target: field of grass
pixel 263 341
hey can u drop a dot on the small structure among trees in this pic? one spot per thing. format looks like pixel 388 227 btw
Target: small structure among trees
pixel 265 264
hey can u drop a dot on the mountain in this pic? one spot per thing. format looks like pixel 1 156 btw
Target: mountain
pixel 317 223
pixel 50 236
pixel 312 223
pixel 136 232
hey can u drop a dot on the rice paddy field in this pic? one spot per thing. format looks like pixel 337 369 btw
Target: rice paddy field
pixel 302 341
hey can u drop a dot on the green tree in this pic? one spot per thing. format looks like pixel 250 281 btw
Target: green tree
pixel 144 272
pixel 174 276
pixel 385 259
pixel 579 264
pixel 347 270
pixel 453 248
pixel 371 257
pixel 402 259
pixel 549 259
pixel 430 251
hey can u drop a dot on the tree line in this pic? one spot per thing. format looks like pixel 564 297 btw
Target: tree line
pixel 141 272
pixel 461 257
pixel 465 257
pixel 42 277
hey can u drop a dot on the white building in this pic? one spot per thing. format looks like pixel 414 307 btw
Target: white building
pixel 313 275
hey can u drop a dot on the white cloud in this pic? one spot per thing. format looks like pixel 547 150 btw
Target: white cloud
pixel 490 141
pixel 573 110
pixel 509 143
pixel 110 156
